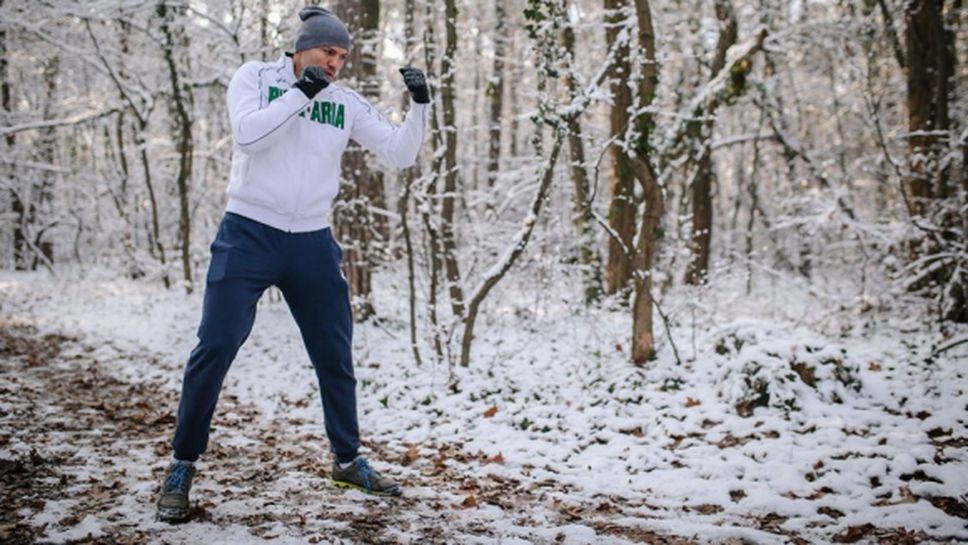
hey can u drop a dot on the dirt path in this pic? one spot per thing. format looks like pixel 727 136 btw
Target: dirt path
pixel 91 448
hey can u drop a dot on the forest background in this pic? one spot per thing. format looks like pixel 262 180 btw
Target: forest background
pixel 680 170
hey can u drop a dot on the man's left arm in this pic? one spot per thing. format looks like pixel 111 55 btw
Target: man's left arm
pixel 398 145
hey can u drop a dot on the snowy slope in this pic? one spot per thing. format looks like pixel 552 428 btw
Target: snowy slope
pixel 781 423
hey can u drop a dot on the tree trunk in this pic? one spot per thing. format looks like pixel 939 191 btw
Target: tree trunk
pixel 407 177
pixel 932 199
pixel 264 28
pixel 495 93
pixel 425 197
pixel 43 250
pixel 928 86
pixel 181 101
pixel 520 241
pixel 702 196
pixel 589 257
pixel 514 75
pixel 643 339
pixel 10 139
pixel 363 233
pixel 448 95
pixel 622 208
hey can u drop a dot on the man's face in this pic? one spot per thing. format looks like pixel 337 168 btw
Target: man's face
pixel 330 58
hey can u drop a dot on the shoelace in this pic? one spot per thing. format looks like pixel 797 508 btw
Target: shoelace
pixel 178 480
pixel 365 473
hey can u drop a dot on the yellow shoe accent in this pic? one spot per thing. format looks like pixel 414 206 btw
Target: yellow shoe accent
pixel 347 486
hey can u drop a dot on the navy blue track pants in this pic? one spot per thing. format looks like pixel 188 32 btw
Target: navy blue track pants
pixel 247 258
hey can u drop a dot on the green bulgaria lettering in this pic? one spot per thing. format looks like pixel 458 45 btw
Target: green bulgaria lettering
pixel 329 113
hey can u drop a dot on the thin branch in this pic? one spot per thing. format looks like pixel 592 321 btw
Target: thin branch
pixel 74 120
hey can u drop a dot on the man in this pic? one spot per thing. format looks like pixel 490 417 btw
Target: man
pixel 290 125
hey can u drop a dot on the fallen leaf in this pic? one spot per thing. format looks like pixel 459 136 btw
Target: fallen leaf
pixel 690 402
pixel 830 512
pixel 469 501
pixel 410 456
pixel 854 534
pixel 490 412
pixel 906 495
pixel 605 507
pixel 708 508
pixel 635 432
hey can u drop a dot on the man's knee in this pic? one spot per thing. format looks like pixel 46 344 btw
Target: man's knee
pixel 218 347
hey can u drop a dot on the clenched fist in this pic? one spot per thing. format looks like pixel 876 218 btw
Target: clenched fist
pixel 416 84
pixel 313 80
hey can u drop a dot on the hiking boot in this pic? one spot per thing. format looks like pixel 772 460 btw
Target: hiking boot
pixel 360 475
pixel 173 503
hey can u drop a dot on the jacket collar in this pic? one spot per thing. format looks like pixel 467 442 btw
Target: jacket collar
pixel 287 68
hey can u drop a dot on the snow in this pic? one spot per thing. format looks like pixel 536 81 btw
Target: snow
pixel 573 427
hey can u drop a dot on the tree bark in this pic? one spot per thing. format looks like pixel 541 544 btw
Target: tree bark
pixel 43 250
pixel 931 197
pixel 622 208
pixel 702 196
pixel 407 177
pixel 495 93
pixel 448 96
pixel 928 86
pixel 589 257
pixel 643 338
pixel 10 139
pixel 425 195
pixel 181 100
pixel 364 233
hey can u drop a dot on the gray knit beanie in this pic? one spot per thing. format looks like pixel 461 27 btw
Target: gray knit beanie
pixel 320 27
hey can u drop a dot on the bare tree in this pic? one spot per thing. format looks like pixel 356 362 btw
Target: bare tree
pixel 495 92
pixel 643 339
pixel 407 178
pixel 174 49
pixel 545 19
pixel 365 233
pixel 701 131
pixel 140 103
pixel 448 94
pixel 931 197
pixel 588 254
pixel 622 208
pixel 929 71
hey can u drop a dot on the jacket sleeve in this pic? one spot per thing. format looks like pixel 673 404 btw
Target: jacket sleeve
pixel 398 145
pixel 255 128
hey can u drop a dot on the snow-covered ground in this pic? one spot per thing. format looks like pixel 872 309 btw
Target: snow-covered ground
pixel 794 416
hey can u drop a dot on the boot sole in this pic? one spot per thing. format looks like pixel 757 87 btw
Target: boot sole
pixel 350 486
pixel 172 515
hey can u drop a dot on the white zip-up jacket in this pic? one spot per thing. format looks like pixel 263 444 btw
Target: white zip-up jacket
pixel 286 158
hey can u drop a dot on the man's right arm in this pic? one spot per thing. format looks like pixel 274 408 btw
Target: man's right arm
pixel 255 129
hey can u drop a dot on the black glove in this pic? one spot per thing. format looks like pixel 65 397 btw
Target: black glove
pixel 313 80
pixel 416 84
